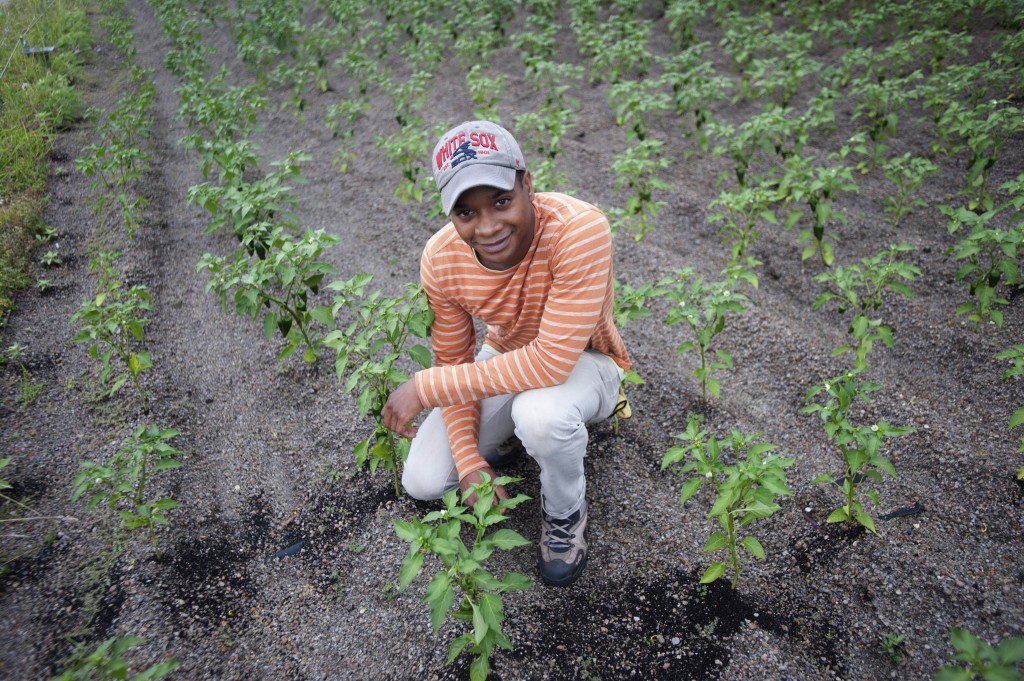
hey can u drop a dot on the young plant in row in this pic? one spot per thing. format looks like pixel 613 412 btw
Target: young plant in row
pixel 440 534
pixel 860 289
pixel 341 119
pixel 111 323
pixel 704 308
pixel 108 662
pixel 975 658
pixel 637 168
pixel 745 490
pixel 281 284
pixel 542 132
pixel 635 103
pixel 859 444
pixel 907 173
pixel 817 187
pixel 1016 355
pixel 695 86
pixel 372 337
pixel 739 213
pixel 121 482
pixel 990 251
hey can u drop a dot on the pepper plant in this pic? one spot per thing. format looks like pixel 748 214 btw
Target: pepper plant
pixel 372 336
pixel 121 481
pixel 975 658
pixel 990 251
pixel 817 187
pixel 860 288
pixel 1016 355
pixel 858 444
pixel 281 284
pixel 739 213
pixel 704 308
pixel 108 662
pixel 907 173
pixel 637 168
pixel 440 534
pixel 745 490
pixel 111 323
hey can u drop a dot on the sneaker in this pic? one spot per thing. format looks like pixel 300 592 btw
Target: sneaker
pixel 563 547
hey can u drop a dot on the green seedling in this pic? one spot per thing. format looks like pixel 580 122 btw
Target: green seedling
pixel 890 644
pixel 1016 355
pixel 745 490
pixel 111 323
pixel 637 169
pixel 739 213
pixel 440 534
pixel 817 187
pixel 990 251
pixel 373 334
pixel 107 663
pixel 907 173
pixel 704 308
pixel 859 445
pixel 281 285
pixel 122 480
pixel 860 289
pixel 976 659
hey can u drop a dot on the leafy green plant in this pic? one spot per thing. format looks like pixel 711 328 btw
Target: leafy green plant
pixel 439 534
pixel 907 173
pixel 111 323
pixel 1016 355
pixel 861 288
pixel 817 187
pixel 122 480
pixel 739 213
pixel 891 645
pixel 372 336
pixel 991 663
pixel 745 490
pixel 281 284
pixel 704 308
pixel 542 132
pixel 107 662
pixel 635 102
pixel 28 389
pixel 340 120
pixel 990 251
pixel 858 445
pixel 637 168
pixel 695 86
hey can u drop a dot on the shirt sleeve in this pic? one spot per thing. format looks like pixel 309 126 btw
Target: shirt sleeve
pixel 453 339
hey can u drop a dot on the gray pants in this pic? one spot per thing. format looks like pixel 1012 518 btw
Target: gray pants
pixel 550 422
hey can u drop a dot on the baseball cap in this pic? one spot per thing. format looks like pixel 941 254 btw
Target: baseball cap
pixel 474 154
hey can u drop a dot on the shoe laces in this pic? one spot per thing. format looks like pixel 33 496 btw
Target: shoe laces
pixel 559 537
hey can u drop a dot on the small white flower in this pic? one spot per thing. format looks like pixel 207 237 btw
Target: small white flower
pixel 708 474
pixel 24 86
pixel 828 386
pixel 874 429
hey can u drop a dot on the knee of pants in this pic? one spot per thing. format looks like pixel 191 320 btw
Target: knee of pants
pixel 425 485
pixel 539 418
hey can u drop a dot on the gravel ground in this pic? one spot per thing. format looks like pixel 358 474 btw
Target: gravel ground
pixel 269 445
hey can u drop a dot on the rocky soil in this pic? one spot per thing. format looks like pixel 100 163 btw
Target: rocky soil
pixel 269 462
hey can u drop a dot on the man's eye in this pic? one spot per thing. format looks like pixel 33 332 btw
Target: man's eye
pixel 503 201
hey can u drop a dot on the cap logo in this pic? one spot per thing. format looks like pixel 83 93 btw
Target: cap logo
pixel 462 147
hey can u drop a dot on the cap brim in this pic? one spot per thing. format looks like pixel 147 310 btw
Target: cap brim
pixel 476 175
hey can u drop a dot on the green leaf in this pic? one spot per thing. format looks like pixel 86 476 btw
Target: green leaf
pixel 439 597
pixel 690 488
pixel 716 541
pixel 865 520
pixel 715 571
pixel 410 568
pixel 839 515
pixel 479 668
pixel 1017 419
pixel 421 356
pixel 754 547
pixel 507 539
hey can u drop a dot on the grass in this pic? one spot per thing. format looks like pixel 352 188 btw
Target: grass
pixel 37 100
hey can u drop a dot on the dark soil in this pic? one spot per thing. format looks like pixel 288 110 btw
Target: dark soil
pixel 281 561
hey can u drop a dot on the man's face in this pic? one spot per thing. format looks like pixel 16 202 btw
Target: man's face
pixel 497 224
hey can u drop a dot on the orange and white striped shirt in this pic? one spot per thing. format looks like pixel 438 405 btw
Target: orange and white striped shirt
pixel 541 315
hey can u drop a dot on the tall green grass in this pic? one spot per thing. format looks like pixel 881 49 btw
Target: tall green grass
pixel 37 100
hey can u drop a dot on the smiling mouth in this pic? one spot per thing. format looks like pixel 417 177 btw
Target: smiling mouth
pixel 495 246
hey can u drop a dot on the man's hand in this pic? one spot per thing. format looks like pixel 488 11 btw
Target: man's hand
pixel 403 406
pixel 474 478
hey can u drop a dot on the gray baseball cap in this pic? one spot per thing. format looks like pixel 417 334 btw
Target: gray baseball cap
pixel 474 154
